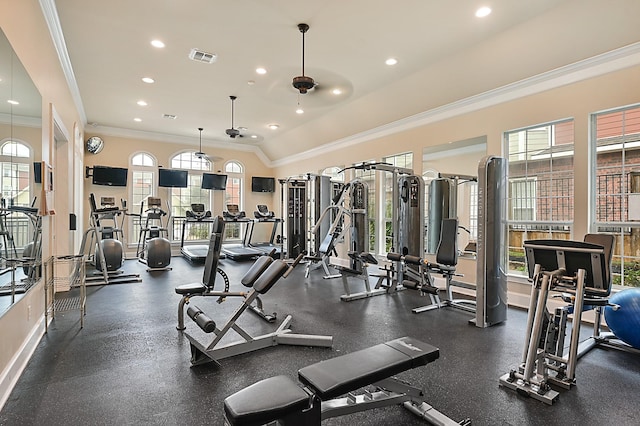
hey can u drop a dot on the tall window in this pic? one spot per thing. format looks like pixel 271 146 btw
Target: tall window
pixel 404 160
pixel 15 181
pixel 15 164
pixel 615 143
pixel 540 199
pixel 182 198
pixel 233 194
pixel 142 167
pixel 335 173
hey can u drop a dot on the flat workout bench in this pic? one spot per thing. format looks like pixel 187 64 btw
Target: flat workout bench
pixel 281 399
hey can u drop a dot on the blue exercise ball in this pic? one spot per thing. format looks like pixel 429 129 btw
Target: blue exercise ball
pixel 624 323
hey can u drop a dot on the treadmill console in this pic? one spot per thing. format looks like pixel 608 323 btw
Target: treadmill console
pixel 263 212
pixel 233 212
pixel 197 212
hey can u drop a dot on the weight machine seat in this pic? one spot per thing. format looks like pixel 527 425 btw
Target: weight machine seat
pixel 338 376
pixel 363 257
pixel 265 401
pixel 189 289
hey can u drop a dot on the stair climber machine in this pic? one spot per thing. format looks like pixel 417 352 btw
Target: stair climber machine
pixel 108 255
pixel 154 248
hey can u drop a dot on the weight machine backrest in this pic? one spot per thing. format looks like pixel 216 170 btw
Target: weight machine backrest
pixel 571 256
pixel 606 241
pixel 213 253
pixel 447 252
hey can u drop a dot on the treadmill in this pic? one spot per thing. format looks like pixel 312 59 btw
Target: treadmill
pixel 238 251
pixel 195 253
pixel 263 215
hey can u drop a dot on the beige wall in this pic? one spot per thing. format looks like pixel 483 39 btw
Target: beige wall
pixel 576 100
pixel 118 151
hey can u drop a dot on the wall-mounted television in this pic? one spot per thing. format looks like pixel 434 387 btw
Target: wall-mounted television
pixel 109 176
pixel 214 181
pixel 171 178
pixel 37 172
pixel 263 184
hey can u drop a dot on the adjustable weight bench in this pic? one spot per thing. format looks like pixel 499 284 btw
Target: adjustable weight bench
pixel 262 276
pixel 318 397
pixel 207 286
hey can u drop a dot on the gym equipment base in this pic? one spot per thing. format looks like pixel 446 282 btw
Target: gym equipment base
pixel 281 336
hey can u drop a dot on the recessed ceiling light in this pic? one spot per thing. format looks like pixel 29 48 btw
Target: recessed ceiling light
pixel 141 103
pixel 157 43
pixel 273 126
pixel 137 119
pixel 254 137
pixel 148 80
pixel 391 61
pixel 261 70
pixel 336 91
pixel 12 102
pixel 299 111
pixel 483 11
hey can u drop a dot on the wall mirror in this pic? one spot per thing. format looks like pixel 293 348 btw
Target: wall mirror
pixel 20 155
pixel 456 162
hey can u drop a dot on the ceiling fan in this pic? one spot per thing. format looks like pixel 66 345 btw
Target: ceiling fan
pixel 303 83
pixel 233 132
pixel 201 155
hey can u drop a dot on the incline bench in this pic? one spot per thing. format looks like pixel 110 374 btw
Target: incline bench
pixel 281 399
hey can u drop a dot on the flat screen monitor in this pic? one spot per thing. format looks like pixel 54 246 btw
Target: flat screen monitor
pixel 214 181
pixel 170 178
pixel 263 184
pixel 37 172
pixel 109 176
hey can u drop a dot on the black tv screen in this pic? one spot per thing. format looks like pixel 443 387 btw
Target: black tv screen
pixel 263 184
pixel 170 178
pixel 37 172
pixel 109 176
pixel 214 181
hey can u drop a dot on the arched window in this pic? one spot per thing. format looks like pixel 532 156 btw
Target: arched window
pixel 15 173
pixel 143 179
pixel 335 172
pixel 182 198
pixel 234 194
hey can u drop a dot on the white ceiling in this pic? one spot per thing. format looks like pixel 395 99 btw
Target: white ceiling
pixel 445 54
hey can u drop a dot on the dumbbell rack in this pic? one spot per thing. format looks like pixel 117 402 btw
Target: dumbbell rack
pixel 65 286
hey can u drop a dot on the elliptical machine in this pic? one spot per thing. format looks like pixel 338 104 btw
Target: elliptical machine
pixel 154 248
pixel 108 255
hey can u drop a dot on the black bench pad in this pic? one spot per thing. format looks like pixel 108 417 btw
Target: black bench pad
pixel 265 401
pixel 195 288
pixel 338 376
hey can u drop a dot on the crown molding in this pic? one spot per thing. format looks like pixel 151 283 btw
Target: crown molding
pixel 611 61
pixel 53 22
pixel 19 120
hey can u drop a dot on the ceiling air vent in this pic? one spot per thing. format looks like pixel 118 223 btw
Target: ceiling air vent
pixel 200 56
pixel 170 116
